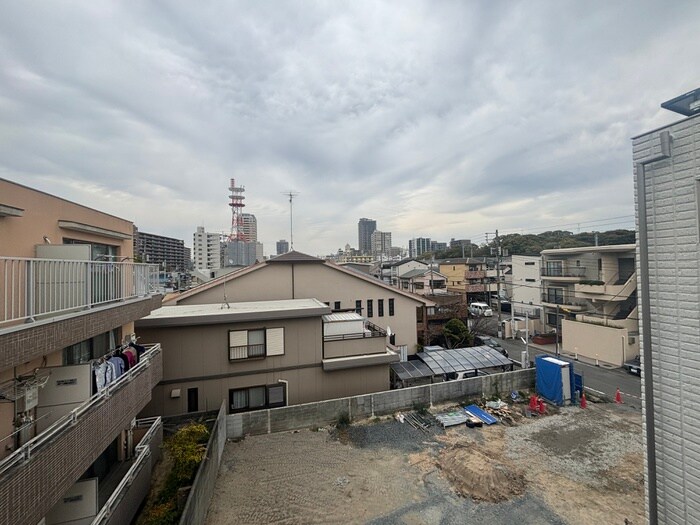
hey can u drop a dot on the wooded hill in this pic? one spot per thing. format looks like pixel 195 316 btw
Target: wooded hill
pixel 533 244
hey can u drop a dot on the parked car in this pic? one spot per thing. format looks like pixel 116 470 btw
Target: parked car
pixel 481 340
pixel 480 309
pixel 634 366
pixel 546 339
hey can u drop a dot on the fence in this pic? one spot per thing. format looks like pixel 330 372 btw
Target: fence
pixel 38 287
pixel 370 405
pixel 203 486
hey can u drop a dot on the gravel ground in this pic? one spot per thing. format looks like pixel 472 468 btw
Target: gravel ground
pixel 386 473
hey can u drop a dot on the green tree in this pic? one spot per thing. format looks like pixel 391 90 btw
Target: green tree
pixel 456 334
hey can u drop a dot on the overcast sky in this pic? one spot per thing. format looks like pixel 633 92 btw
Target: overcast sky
pixel 437 119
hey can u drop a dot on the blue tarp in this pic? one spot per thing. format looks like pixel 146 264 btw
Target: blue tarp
pixel 484 416
pixel 548 380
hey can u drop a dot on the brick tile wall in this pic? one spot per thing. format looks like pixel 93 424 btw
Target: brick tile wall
pixel 27 492
pixel 35 341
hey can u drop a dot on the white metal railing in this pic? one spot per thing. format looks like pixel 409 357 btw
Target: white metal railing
pixel 143 451
pixel 30 288
pixel 25 452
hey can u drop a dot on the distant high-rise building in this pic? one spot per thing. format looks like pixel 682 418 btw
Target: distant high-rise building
pixel 436 246
pixel 248 224
pixel 380 243
pixel 206 250
pixel 282 247
pixel 167 252
pixel 241 253
pixel 418 246
pixel 365 228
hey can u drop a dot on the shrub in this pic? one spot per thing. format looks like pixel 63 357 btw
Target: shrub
pixel 343 420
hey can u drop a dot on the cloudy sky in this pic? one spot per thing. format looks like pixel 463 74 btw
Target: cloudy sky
pixel 439 119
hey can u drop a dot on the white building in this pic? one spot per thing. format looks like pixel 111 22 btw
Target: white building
pixel 249 226
pixel 206 250
pixel 525 284
pixel 667 180
pixel 381 243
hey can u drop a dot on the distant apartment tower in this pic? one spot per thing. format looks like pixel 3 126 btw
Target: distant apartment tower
pixel 249 226
pixel 365 228
pixel 282 247
pixel 206 250
pixel 436 246
pixel 167 252
pixel 380 243
pixel 241 253
pixel 419 246
pixel 667 181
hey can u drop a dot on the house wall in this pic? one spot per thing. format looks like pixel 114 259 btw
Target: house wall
pixel 526 280
pixel 454 273
pixel 197 357
pixel 671 203
pixel 593 341
pixel 322 282
pixel 20 235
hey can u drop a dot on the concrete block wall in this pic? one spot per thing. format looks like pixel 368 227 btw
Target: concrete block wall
pixel 370 405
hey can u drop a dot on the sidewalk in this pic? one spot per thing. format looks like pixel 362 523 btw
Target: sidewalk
pixel 551 350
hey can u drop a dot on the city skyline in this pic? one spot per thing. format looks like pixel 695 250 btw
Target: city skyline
pixel 450 120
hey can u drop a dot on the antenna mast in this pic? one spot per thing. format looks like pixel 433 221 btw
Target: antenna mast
pixel 237 205
pixel 291 195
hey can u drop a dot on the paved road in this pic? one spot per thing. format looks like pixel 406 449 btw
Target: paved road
pixel 598 379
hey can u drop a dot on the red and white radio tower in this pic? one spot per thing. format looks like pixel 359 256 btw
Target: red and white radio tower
pixel 237 205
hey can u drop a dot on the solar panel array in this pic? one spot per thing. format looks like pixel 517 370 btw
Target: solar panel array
pixel 463 359
pixel 411 369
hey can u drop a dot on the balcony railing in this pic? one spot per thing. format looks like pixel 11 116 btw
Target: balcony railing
pixel 564 300
pixel 25 452
pixel 371 330
pixel 31 288
pixel 555 271
pixel 141 456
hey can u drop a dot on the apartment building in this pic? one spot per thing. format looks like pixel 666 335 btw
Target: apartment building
pixel 66 441
pixel 264 354
pixel 380 243
pixel 667 181
pixel 418 246
pixel 299 276
pixel 475 277
pixel 282 247
pixel 589 294
pixel 169 253
pixel 524 284
pixel 248 225
pixel 206 250
pixel 365 228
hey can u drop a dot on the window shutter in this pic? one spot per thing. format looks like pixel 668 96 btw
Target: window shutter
pixel 238 338
pixel 275 341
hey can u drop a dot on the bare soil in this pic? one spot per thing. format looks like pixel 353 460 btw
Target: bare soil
pixel 573 467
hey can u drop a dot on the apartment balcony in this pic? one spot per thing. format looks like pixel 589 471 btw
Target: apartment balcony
pixel 481 287
pixel 605 291
pixel 566 302
pixel 350 350
pixel 49 304
pixel 564 273
pixel 38 474
pixel 475 274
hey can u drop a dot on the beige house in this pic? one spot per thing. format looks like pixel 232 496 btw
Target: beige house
pixel 473 276
pixel 69 295
pixel 590 295
pixel 295 275
pixel 263 354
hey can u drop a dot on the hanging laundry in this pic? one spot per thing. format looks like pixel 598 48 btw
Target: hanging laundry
pixel 118 366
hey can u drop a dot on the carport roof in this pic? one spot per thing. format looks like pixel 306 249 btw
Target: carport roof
pixel 411 369
pixel 463 359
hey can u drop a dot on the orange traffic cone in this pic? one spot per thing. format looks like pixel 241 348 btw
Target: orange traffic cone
pixel 584 403
pixel 618 397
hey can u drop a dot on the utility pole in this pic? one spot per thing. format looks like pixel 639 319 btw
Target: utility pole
pixel 498 281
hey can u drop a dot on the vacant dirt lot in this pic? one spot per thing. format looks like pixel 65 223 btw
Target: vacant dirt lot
pixel 572 467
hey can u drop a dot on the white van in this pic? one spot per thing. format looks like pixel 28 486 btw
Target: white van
pixel 480 309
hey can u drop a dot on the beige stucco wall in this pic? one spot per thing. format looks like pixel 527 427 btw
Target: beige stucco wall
pixel 197 357
pixel 318 281
pixel 19 235
pixel 592 341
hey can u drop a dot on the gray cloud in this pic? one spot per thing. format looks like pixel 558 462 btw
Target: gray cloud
pixel 437 119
